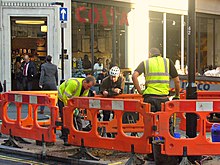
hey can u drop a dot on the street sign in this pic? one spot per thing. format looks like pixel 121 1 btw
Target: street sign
pixel 63 14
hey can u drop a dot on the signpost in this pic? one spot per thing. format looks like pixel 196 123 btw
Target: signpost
pixel 63 17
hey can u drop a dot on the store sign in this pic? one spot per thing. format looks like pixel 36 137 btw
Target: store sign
pixel 103 14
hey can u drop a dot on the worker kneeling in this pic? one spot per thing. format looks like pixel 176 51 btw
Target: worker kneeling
pixel 73 87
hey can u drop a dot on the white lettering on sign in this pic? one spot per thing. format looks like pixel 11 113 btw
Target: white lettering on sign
pixel 204 106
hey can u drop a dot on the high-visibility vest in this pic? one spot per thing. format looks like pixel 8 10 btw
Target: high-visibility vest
pixel 156 76
pixel 70 88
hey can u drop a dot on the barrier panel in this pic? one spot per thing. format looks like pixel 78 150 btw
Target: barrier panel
pixel 111 126
pixel 50 94
pixel 28 127
pixel 200 145
pixel 121 142
pixel 208 95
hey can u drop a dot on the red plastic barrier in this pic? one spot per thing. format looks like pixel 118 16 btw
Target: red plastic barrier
pixel 201 145
pixel 121 142
pixel 208 95
pixel 28 127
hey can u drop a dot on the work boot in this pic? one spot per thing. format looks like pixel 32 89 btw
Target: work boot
pixel 65 142
pixel 149 157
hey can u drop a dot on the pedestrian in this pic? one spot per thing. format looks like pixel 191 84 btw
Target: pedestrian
pixel 112 85
pixel 29 72
pixel 78 87
pixel 157 71
pixel 48 77
pixel 86 62
pixel 101 76
pixel 98 67
pixel 18 74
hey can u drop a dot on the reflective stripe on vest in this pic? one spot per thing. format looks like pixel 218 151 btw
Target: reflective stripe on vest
pixel 157 76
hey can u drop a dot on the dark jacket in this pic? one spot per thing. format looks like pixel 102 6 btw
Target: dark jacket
pixel 1 88
pixel 31 70
pixel 49 74
pixel 109 85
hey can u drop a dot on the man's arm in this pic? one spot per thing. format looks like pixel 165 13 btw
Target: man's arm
pixel 103 87
pixel 41 76
pixel 177 86
pixel 56 76
pixel 136 82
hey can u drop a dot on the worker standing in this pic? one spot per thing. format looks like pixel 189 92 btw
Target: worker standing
pixel 157 71
pixel 78 87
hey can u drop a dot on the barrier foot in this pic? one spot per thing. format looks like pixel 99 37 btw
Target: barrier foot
pixel 11 142
pixel 21 140
pixel 134 159
pixel 84 153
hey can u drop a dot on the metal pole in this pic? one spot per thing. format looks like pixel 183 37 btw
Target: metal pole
pixel 62 49
pixel 114 36
pixel 92 37
pixel 191 89
pixel 62 43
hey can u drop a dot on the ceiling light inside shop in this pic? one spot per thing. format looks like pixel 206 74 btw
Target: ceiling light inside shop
pixel 43 28
pixel 30 22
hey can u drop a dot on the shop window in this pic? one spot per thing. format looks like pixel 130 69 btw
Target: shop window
pixel 173 23
pixel 100 33
pixel 156 30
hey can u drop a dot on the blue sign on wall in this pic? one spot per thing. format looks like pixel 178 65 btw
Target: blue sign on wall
pixel 63 14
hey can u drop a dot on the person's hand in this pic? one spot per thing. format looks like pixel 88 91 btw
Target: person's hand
pixel 176 97
pixel 117 90
pixel 105 93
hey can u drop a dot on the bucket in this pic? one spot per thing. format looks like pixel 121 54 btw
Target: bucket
pixel 215 132
pixel 161 159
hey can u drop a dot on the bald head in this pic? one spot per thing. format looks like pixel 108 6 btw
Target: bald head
pixel 26 58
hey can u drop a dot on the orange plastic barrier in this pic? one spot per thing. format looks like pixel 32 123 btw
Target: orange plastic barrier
pixel 208 95
pixel 50 94
pixel 201 145
pixel 28 127
pixel 111 126
pixel 121 142
pixel 204 95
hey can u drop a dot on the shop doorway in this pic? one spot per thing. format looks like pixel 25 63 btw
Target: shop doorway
pixel 28 37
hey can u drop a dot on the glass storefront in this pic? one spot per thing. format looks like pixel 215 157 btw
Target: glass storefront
pixel 28 37
pixel 168 33
pixel 98 31
pixel 208 37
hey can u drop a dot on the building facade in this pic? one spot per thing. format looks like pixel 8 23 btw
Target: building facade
pixel 119 32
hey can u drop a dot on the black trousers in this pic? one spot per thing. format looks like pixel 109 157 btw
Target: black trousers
pixel 155 102
pixel 76 120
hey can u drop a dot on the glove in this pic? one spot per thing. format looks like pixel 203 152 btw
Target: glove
pixel 176 97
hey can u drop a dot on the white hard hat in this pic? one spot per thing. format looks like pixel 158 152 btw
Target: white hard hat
pixel 114 71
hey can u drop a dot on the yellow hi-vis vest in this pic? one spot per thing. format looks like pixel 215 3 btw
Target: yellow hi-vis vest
pixel 70 88
pixel 156 76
